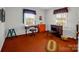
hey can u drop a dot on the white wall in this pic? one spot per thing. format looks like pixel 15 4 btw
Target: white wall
pixel 49 18
pixel 14 18
pixel 2 35
pixel 70 28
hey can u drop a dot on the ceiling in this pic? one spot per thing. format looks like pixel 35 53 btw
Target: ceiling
pixel 47 8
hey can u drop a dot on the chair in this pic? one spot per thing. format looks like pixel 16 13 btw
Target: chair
pixel 33 30
pixel 11 33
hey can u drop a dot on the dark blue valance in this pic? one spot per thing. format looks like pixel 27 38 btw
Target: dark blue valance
pixel 29 11
pixel 62 10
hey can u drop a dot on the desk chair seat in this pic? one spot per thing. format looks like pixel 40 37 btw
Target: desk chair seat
pixel 33 31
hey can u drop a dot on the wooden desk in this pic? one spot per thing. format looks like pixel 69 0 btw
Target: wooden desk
pixel 27 27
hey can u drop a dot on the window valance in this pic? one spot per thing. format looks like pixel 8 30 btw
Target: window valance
pixel 62 10
pixel 29 11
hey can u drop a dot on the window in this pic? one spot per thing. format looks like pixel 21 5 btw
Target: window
pixel 29 17
pixel 61 19
pixel 61 16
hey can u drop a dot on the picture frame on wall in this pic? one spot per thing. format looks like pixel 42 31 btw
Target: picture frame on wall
pixel 2 15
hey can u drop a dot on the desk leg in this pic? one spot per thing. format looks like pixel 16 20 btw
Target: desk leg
pixel 26 30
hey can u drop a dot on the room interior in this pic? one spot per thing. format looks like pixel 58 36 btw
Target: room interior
pixel 39 29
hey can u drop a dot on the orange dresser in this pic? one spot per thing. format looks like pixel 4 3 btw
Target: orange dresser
pixel 41 28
